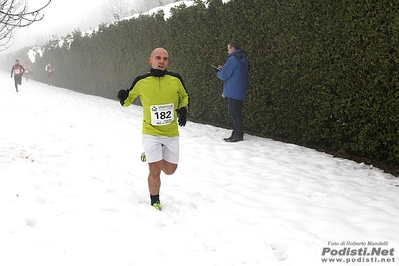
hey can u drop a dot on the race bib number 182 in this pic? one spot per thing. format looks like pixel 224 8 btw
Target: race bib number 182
pixel 162 114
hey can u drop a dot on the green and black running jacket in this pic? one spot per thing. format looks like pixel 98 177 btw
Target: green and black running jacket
pixel 161 93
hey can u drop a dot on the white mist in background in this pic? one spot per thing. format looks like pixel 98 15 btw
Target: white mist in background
pixel 63 17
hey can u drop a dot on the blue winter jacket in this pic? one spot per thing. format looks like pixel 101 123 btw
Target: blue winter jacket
pixel 235 76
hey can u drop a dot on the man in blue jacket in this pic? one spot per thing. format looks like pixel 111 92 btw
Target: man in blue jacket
pixel 234 73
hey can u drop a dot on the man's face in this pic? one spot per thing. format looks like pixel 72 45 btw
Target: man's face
pixel 230 49
pixel 159 59
pixel 17 63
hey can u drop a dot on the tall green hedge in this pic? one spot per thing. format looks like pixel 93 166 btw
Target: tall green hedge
pixel 323 73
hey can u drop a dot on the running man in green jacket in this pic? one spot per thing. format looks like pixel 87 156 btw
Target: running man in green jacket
pixel 165 105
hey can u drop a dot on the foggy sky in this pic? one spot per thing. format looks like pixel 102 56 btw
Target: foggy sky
pixel 62 17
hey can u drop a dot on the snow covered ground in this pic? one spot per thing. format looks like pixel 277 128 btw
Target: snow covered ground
pixel 73 191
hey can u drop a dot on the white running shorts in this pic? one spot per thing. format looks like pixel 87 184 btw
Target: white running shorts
pixel 157 148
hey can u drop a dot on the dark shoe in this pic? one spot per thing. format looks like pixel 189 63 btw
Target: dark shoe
pixel 233 139
pixel 226 139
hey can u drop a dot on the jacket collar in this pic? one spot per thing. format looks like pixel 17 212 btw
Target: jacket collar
pixel 157 72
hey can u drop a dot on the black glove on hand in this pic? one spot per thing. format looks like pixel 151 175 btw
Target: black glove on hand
pixel 182 111
pixel 122 95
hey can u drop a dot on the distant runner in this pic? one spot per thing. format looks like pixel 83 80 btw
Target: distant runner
pixel 50 69
pixel 27 72
pixel 17 70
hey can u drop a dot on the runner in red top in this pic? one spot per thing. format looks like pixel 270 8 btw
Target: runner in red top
pixel 17 70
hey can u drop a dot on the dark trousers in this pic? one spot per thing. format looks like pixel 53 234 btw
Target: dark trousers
pixel 17 80
pixel 234 112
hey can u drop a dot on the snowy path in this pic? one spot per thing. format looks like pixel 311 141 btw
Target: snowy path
pixel 73 191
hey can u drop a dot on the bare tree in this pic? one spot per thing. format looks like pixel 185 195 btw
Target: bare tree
pixel 117 9
pixel 14 14
pixel 43 38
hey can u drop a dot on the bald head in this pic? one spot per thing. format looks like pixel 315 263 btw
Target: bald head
pixel 159 58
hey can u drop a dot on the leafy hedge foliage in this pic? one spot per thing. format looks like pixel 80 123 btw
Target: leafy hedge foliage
pixel 323 73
